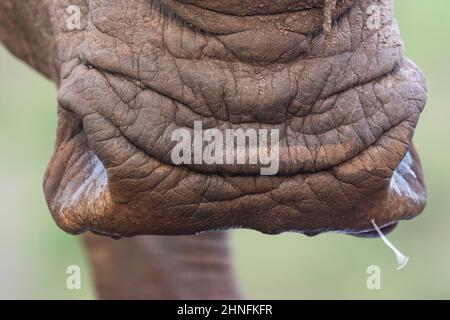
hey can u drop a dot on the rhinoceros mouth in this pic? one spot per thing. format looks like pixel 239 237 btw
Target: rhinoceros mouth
pixel 125 169
pixel 346 118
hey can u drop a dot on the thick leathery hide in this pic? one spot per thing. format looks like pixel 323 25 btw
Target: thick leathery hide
pixel 342 95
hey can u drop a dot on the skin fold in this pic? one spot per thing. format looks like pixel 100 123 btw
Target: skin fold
pixel 341 93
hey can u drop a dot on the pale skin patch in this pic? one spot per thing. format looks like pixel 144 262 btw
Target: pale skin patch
pixel 328 10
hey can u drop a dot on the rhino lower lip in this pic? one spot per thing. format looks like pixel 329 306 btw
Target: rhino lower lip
pixel 229 201
pixel 102 141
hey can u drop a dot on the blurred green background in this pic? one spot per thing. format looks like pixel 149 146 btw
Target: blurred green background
pixel 34 253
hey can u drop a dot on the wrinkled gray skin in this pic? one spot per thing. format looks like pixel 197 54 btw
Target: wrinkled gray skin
pixel 343 96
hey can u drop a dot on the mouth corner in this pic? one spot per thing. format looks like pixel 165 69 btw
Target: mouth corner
pixel 374 233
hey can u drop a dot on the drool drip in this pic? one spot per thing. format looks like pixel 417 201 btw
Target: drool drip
pixel 402 260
